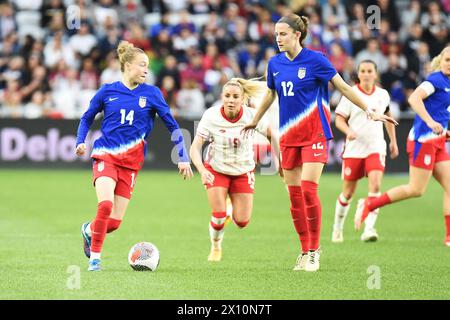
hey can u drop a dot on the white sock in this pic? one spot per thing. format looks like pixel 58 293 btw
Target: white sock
pixel 216 237
pixel 95 255
pixel 341 212
pixel 88 230
pixel 372 217
pixel 229 208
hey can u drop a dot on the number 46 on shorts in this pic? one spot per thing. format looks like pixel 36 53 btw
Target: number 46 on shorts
pixel 317 146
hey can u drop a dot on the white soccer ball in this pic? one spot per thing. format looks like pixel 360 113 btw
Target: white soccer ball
pixel 144 256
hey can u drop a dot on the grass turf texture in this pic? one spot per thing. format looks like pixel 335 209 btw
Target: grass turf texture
pixel 41 213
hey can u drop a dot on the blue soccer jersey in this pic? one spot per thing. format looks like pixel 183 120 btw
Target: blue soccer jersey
pixel 128 119
pixel 437 105
pixel 302 88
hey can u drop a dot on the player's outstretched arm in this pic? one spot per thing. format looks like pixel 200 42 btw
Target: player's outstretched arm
pixel 267 101
pixel 348 92
pixel 393 147
pixel 196 156
pixel 275 144
pixel 176 136
pixel 416 101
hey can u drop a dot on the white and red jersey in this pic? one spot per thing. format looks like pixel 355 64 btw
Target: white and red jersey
pixel 369 133
pixel 229 153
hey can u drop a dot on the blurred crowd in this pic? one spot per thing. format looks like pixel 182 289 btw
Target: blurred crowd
pixel 55 54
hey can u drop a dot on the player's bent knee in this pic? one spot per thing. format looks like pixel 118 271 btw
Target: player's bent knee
pixel 242 224
pixel 416 192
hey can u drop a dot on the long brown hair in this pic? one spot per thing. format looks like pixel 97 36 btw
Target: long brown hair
pixel 297 23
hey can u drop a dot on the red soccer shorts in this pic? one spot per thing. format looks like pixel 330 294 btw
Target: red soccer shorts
pixel 292 157
pixel 244 183
pixel 356 168
pixel 125 178
pixel 425 155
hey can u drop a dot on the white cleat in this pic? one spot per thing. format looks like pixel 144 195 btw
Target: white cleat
pixel 215 255
pixel 369 235
pixel 301 262
pixel 447 241
pixel 313 261
pixel 338 236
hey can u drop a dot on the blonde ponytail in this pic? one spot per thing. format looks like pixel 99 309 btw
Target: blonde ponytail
pixel 126 52
pixel 249 88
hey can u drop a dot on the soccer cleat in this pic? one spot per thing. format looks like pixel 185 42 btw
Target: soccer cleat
pixel 369 235
pixel 86 240
pixel 447 241
pixel 313 261
pixel 362 211
pixel 301 262
pixel 215 255
pixel 337 236
pixel 94 265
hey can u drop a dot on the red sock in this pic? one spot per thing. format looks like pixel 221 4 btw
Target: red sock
pixel 298 214
pixel 113 225
pixel 218 220
pixel 378 202
pixel 447 224
pixel 101 222
pixel 313 212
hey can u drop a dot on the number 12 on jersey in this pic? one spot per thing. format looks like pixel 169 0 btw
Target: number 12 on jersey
pixel 288 88
pixel 128 117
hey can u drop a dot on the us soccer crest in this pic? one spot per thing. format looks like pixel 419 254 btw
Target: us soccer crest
pixel 142 102
pixel 301 72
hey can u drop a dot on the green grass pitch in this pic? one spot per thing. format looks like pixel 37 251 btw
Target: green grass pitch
pixel 41 248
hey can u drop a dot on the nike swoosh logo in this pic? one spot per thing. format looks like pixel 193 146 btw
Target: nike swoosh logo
pixel 317 154
pixel 275 73
pixel 112 99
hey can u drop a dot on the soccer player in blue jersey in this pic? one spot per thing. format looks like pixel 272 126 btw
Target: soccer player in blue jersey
pixel 426 143
pixel 300 77
pixel 129 107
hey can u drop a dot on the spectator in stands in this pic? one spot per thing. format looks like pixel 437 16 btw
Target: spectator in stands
pixel 194 70
pixel 112 72
pixel 109 42
pixel 170 93
pixel 170 68
pixel 7 20
pixel 164 24
pixel 136 35
pixel 83 41
pixel 190 101
pixel 12 101
pixel 38 107
pixel 57 49
pixel 65 95
pixel 131 10
pixel 337 10
pixel 338 56
pixel 49 9
pixel 372 52
pixel 38 81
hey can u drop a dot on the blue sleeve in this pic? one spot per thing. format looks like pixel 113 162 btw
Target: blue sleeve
pixel 159 103
pixel 433 78
pixel 176 136
pixel 325 71
pixel 95 106
pixel 270 82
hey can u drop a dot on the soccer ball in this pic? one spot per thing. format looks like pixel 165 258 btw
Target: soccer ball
pixel 144 256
